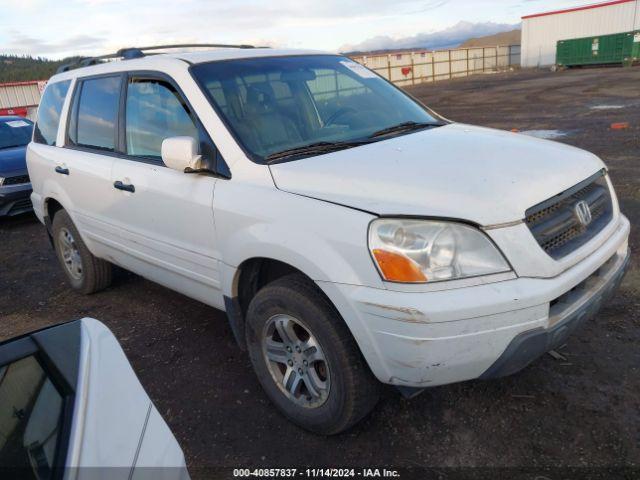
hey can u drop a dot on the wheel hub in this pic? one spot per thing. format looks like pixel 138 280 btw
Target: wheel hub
pixel 296 361
pixel 70 254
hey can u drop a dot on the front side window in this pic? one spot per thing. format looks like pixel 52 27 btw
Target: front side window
pixel 155 111
pixel 272 104
pixel 30 418
pixel 95 113
pixel 46 129
pixel 15 132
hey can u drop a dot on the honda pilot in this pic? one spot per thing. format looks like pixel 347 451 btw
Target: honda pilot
pixel 352 235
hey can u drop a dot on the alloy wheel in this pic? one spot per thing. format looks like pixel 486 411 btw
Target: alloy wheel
pixel 70 254
pixel 296 361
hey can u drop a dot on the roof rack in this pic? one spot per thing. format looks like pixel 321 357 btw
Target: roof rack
pixel 139 52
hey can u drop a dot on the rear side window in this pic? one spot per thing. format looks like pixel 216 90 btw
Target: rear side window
pixel 95 113
pixel 51 103
pixel 155 111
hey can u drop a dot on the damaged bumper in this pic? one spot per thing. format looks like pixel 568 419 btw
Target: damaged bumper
pixel 567 313
pixel 426 339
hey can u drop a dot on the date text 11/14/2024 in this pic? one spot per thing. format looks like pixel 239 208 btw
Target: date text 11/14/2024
pixel 316 473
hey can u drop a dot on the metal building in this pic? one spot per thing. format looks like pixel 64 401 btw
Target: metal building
pixel 21 98
pixel 541 31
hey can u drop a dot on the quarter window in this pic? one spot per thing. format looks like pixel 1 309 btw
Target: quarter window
pixel 155 111
pixel 95 114
pixel 46 129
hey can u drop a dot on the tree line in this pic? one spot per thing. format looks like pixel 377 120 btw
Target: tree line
pixel 18 68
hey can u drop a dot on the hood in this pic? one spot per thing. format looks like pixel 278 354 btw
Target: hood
pixel 13 159
pixel 458 171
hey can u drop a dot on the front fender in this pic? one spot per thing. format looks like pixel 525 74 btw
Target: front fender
pixel 327 242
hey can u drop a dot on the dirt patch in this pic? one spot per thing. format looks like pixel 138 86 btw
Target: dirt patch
pixel 584 411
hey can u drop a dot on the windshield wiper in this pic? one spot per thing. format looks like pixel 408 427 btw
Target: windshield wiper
pixel 327 147
pixel 404 127
pixel 313 149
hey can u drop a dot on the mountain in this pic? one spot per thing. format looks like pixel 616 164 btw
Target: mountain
pixel 503 38
pixel 447 38
pixel 15 68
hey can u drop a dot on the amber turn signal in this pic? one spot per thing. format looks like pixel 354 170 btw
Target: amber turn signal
pixel 398 268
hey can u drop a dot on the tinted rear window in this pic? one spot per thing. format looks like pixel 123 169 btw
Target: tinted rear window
pixel 51 103
pixel 30 413
pixel 95 113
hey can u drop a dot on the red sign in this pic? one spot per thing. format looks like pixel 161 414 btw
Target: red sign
pixel 405 71
pixel 20 111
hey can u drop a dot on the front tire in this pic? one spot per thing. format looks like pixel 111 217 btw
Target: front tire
pixel 85 272
pixel 306 359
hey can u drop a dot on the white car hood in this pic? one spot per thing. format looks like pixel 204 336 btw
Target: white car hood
pixel 457 171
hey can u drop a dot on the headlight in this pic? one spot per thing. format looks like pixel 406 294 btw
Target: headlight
pixel 420 251
pixel 1 181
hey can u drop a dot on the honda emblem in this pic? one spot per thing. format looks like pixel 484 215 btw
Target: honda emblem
pixel 583 213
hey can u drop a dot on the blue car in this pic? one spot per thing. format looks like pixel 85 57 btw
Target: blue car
pixel 15 187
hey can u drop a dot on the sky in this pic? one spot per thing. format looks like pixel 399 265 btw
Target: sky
pixel 59 28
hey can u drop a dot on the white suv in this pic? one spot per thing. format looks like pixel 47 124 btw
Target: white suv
pixel 352 235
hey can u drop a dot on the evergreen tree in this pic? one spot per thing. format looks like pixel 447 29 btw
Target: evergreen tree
pixel 19 68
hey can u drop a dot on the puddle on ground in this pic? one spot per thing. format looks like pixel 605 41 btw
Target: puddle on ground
pixel 546 134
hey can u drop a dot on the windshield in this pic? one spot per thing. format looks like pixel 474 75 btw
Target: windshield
pixel 15 132
pixel 275 104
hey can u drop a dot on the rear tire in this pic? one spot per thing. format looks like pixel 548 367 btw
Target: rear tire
pixel 335 388
pixel 85 272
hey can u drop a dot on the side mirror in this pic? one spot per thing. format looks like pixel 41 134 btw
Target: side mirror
pixel 181 153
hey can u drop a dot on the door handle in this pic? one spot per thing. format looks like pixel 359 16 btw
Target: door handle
pixel 62 170
pixel 124 186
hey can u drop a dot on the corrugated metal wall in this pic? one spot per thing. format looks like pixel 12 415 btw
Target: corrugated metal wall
pixel 20 94
pixel 411 68
pixel 540 34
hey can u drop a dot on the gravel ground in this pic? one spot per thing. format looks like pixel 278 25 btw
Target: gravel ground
pixel 578 412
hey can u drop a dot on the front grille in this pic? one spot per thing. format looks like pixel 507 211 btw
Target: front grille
pixel 17 180
pixel 556 224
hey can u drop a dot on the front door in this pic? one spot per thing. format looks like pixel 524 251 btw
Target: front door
pixel 164 217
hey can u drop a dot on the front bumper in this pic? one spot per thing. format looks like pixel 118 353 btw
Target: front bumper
pixel 15 199
pixel 570 311
pixel 420 339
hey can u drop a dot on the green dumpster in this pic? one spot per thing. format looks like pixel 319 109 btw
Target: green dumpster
pixel 619 48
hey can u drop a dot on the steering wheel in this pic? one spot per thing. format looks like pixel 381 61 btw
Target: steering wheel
pixel 337 114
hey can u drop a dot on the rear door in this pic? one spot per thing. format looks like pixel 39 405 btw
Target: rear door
pixel 164 217
pixel 84 165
